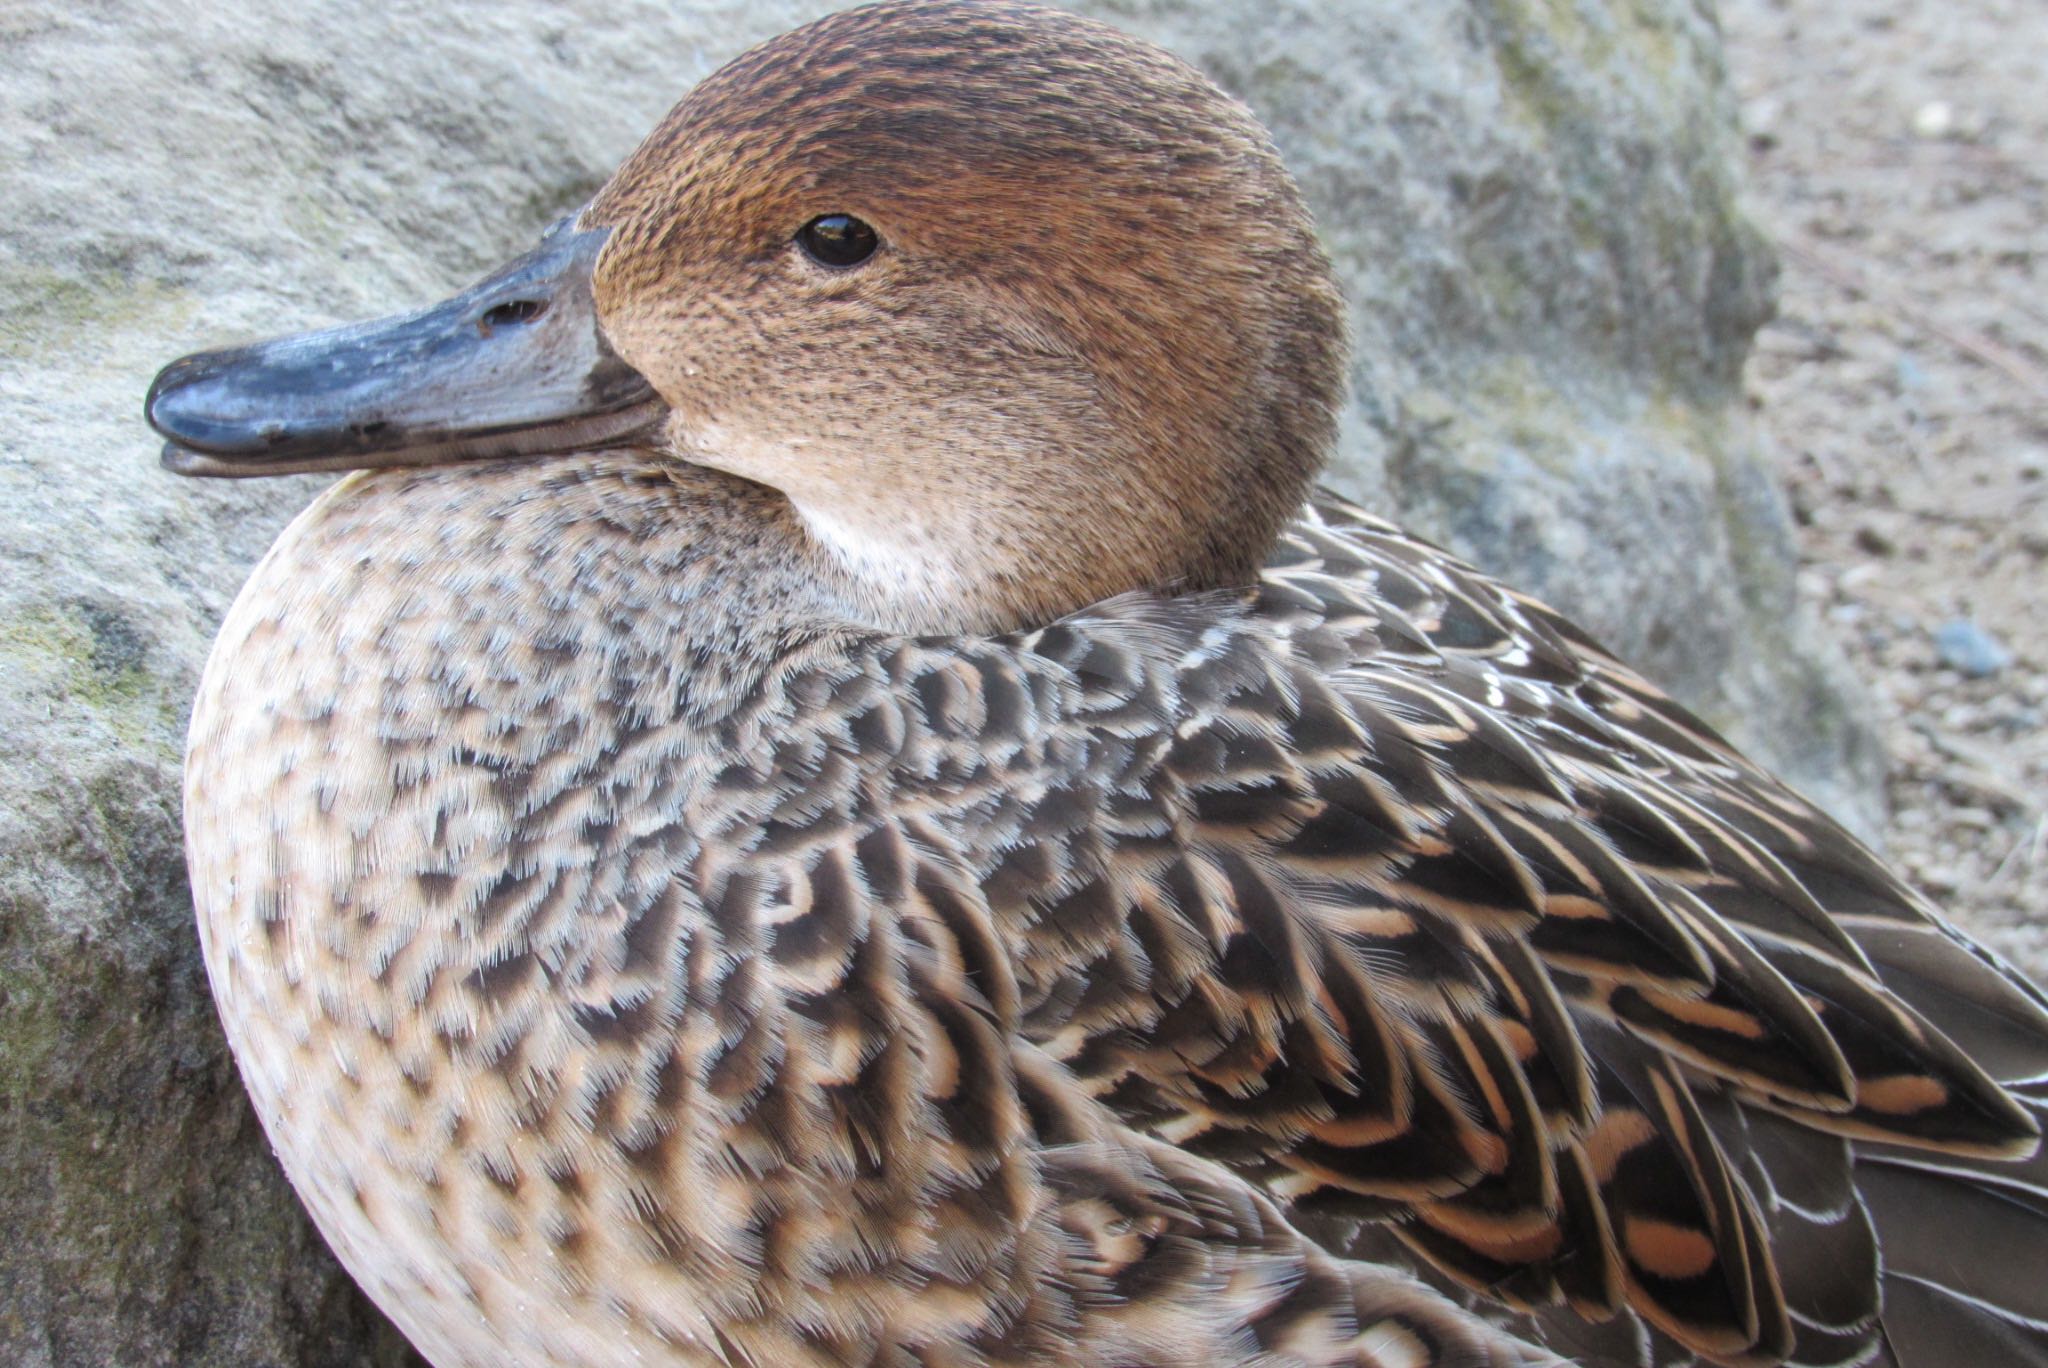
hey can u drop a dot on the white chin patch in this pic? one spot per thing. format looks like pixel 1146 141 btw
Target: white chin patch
pixel 910 563
pixel 914 566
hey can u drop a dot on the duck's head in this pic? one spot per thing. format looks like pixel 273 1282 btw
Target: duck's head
pixel 1016 311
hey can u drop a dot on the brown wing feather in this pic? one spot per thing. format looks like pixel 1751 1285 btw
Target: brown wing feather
pixel 1383 888
pixel 878 851
pixel 1884 978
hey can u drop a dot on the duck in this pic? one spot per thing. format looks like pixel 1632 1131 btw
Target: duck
pixel 828 788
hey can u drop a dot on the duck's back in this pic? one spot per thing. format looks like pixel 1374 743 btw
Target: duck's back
pixel 1388 891
pixel 1918 1189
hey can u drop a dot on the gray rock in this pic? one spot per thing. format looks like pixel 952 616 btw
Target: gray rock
pixel 1552 291
pixel 1969 650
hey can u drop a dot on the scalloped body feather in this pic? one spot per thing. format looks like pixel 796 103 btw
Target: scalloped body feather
pixel 1089 992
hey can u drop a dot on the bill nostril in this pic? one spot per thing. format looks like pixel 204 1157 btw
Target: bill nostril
pixel 510 314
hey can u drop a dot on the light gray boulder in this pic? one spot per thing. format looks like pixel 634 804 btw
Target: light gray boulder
pixel 1552 290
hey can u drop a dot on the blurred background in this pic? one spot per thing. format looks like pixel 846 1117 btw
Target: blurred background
pixel 1897 153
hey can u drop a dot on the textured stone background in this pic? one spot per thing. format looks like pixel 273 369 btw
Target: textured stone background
pixel 1552 291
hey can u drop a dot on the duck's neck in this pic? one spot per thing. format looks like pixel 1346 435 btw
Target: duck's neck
pixel 941 528
pixel 661 590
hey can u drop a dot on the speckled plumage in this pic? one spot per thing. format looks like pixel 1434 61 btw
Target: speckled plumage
pixel 582 983
pixel 642 946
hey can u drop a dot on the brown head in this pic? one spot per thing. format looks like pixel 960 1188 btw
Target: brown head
pixel 1016 311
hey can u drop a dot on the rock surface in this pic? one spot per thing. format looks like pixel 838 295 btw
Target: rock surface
pixel 1552 292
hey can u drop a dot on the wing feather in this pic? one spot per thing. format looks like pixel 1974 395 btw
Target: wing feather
pixel 1387 891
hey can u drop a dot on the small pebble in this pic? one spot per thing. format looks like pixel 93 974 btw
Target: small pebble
pixel 1934 120
pixel 1761 118
pixel 1910 374
pixel 1874 539
pixel 1969 650
pixel 1939 878
pixel 1802 506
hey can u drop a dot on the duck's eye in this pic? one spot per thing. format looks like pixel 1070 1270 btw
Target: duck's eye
pixel 837 240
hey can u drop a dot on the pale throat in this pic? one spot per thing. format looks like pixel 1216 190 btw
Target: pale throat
pixel 913 563
pixel 918 576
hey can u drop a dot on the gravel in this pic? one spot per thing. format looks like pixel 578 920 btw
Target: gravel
pixel 1896 155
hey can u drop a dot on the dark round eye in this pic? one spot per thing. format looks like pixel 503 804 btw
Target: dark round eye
pixel 837 240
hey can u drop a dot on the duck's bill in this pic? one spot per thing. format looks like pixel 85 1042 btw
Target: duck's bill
pixel 515 366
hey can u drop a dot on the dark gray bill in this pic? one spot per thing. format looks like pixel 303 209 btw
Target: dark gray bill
pixel 514 366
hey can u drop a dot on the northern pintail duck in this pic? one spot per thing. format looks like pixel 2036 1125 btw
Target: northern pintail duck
pixel 831 793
